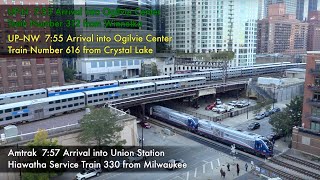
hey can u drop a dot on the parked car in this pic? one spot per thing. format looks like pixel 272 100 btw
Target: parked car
pixel 218 101
pixel 267 113
pixel 88 173
pixel 135 158
pixel 276 110
pixel 259 116
pixel 145 125
pixel 216 108
pixel 254 126
pixel 210 106
pixel 241 105
pixel 233 103
pixel 275 136
pixel 175 161
pixel 221 110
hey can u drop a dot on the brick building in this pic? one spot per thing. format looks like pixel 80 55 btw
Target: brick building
pixel 26 71
pixel 281 33
pixel 314 31
pixel 307 137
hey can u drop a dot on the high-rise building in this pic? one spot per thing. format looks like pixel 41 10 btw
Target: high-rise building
pixel 313 5
pixel 26 72
pixel 281 33
pixel 314 31
pixel 104 66
pixel 291 5
pixel 302 9
pixel 213 25
pixel 307 137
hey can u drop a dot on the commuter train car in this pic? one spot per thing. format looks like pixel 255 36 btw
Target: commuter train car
pixel 245 141
pixel 62 90
pixel 124 82
pixel 98 97
pixel 174 117
pixel 37 109
pixel 179 83
pixel 22 96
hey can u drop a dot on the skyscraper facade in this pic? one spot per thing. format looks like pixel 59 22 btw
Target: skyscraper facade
pixel 213 25
pixel 314 31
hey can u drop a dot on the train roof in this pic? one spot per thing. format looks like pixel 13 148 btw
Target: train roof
pixel 144 78
pixel 21 93
pixel 119 88
pixel 181 80
pixel 80 85
pixel 230 129
pixel 41 100
pixel 176 112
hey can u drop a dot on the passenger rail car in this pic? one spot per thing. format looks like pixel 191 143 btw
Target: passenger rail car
pixel 62 90
pixel 245 141
pixel 99 97
pixel 37 109
pixel 22 96
pixel 45 107
pixel 124 82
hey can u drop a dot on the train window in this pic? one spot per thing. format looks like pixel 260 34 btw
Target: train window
pixel 95 95
pixel 1 111
pixel 70 99
pixel 37 93
pixel 63 100
pixel 63 90
pixel 100 99
pixel 1 119
pixel 89 101
pixel 86 87
pixel 51 102
pixel 1 99
pixel 70 105
pixel 115 97
pixel 31 94
pixel 76 104
pixel 76 88
pixel 24 107
pixel 70 89
pixel 25 115
pixel 57 101
pixel 51 109
pixel 132 94
pixel 8 118
pixel 7 110
pixel 43 93
pixel 82 103
pixel 64 107
pixel 16 109
pixel 96 86
pixel 18 96
pixel 90 95
pixel 100 94
pixel 17 116
pixel 81 97
pixel 12 97
pixel 76 98
pixel 106 99
pixel 96 100
pixel 57 91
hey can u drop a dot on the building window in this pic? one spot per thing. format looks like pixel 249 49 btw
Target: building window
pixel 53 61
pixel 109 63
pixel 54 79
pixel 26 63
pixel 102 64
pixel 54 71
pixel 315 126
pixel 136 62
pixel 130 62
pixel 12 72
pixel 123 63
pixel 315 111
pixel 27 82
pixel 116 63
pixel 94 64
pixel 40 71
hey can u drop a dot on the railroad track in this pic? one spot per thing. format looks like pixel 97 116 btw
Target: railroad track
pixel 281 173
pixel 295 168
pixel 301 161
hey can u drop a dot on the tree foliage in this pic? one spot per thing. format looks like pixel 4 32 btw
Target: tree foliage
pixel 284 121
pixel 262 104
pixel 40 139
pixel 68 74
pixel 154 69
pixel 101 127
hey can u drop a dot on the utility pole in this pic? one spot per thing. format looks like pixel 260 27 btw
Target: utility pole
pixel 274 93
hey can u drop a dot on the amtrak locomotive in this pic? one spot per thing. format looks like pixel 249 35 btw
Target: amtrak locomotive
pixel 246 141
pixel 211 75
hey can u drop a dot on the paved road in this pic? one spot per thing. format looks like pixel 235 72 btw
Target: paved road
pixel 264 130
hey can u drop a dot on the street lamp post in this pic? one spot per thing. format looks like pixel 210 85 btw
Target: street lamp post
pixel 274 94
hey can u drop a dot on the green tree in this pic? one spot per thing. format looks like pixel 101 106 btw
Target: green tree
pixel 290 116
pixel 68 74
pixel 101 127
pixel 41 139
pixel 154 69
pixel 268 107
